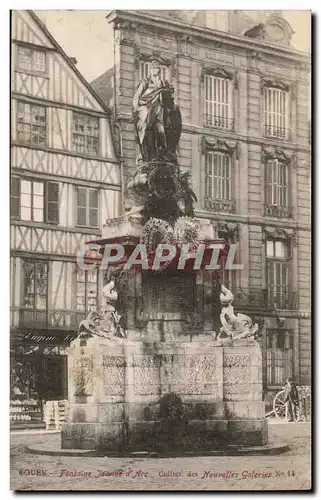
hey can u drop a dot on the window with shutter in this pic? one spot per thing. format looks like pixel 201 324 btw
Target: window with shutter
pixel 52 202
pixel 276 113
pixel 279 356
pixel 277 259
pixel 87 207
pixel 277 189
pixel 218 102
pixel 15 198
pixel 34 200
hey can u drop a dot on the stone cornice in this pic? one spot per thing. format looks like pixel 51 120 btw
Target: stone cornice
pixel 278 233
pixel 228 39
pixel 219 71
pixel 277 154
pixel 292 226
pixel 217 144
pixel 150 55
pixel 229 135
pixel 272 82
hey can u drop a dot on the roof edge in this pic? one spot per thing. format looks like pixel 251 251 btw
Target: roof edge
pixel 42 26
pixel 230 38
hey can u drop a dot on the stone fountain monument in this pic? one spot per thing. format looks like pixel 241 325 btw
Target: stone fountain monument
pixel 150 372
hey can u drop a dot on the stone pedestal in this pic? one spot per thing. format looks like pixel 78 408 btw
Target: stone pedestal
pixel 135 395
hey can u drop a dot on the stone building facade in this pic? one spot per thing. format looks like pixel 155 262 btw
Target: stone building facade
pixel 243 94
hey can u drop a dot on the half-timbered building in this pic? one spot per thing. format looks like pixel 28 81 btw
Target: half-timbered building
pixel 65 182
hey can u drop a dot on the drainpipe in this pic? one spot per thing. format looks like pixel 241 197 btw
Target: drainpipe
pixel 118 126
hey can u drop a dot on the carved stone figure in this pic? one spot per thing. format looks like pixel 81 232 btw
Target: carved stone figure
pixel 107 324
pixel 234 326
pixel 157 119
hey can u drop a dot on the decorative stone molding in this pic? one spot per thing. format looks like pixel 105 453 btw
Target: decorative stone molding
pixel 275 153
pixel 125 32
pixel 272 82
pixel 278 233
pixel 185 38
pixel 216 144
pixel 82 371
pixel 228 230
pixel 220 72
pixel 227 206
pixel 113 375
pixel 153 55
pixel 273 29
pixel 254 54
pixel 278 30
pixel 280 321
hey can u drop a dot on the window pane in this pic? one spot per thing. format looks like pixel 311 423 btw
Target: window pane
pixel 25 200
pixel 39 61
pixel 38 215
pixel 40 286
pixel 93 217
pixel 279 249
pixel 25 186
pixel 41 302
pixel 29 301
pixel 41 270
pixel 93 198
pixel 38 188
pixel 25 213
pixel 269 248
pixel 31 123
pixel 24 58
pixel 81 275
pixel 38 202
pixel 81 216
pixel 81 197
pixel 85 133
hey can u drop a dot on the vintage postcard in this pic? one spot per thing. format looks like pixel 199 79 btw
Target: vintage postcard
pixel 160 218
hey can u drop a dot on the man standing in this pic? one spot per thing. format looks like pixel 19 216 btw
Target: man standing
pixel 291 400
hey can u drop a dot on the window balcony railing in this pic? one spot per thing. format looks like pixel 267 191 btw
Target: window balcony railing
pixel 277 132
pixel 45 318
pixel 282 300
pixel 278 211
pixel 250 297
pixel 215 205
pixel 265 299
pixel 219 122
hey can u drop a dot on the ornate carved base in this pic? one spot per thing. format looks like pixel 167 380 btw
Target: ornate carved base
pixel 156 396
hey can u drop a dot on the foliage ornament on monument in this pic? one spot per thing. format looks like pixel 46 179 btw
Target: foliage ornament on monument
pixel 158 181
pixel 158 231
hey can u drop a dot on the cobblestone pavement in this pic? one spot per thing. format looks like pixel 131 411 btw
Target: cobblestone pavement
pixel 289 471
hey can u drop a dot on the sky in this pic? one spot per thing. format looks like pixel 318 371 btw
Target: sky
pixel 87 36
